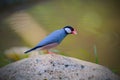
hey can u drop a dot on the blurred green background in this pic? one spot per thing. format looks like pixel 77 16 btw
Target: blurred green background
pixel 26 22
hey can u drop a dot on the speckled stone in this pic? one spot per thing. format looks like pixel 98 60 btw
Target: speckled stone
pixel 55 67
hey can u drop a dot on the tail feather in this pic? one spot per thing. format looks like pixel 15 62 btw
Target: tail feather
pixel 30 50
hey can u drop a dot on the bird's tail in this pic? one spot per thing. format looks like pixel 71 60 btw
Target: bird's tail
pixel 30 50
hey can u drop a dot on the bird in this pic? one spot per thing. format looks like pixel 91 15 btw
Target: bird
pixel 53 39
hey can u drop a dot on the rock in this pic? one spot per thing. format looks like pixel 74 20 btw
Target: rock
pixel 55 67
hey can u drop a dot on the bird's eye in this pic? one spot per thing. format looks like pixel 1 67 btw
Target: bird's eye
pixel 68 30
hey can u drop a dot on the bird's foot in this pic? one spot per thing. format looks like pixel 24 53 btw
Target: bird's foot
pixel 49 52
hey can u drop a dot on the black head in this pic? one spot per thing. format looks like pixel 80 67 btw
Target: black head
pixel 69 30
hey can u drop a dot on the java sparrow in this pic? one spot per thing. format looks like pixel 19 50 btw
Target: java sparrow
pixel 53 39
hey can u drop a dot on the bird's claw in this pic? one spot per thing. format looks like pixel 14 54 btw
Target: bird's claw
pixel 49 52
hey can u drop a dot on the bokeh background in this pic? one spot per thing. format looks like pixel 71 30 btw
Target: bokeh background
pixel 24 23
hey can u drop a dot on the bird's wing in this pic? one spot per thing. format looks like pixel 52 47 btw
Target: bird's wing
pixel 52 38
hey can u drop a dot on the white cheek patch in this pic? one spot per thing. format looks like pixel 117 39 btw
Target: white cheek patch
pixel 68 30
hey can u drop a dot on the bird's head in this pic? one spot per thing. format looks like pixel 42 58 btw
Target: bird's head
pixel 70 30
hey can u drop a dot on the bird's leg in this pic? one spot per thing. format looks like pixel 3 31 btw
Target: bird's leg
pixel 49 52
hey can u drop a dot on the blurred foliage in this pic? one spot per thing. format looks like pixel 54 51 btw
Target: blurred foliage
pixel 9 3
pixel 3 60
pixel 96 54
pixel 16 53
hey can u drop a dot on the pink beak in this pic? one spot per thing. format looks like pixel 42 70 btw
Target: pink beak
pixel 74 32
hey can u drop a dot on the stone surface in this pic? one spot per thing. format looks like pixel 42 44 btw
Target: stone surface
pixel 55 67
